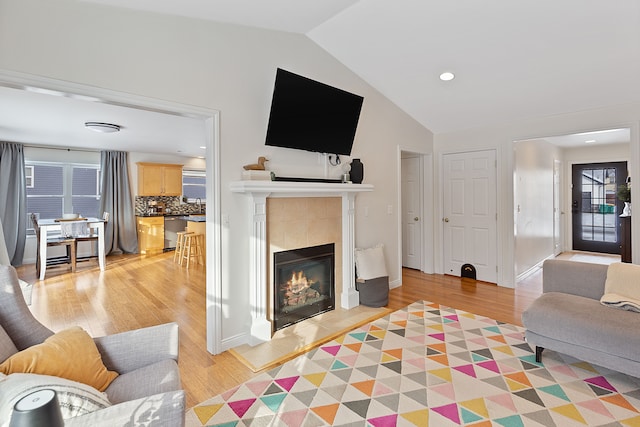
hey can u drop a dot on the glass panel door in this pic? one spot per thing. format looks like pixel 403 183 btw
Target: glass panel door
pixel 595 206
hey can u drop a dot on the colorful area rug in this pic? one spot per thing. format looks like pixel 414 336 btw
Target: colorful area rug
pixel 428 365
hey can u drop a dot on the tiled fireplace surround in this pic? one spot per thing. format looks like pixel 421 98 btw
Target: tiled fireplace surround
pixel 291 215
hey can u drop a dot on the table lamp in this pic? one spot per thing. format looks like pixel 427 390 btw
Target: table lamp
pixel 38 409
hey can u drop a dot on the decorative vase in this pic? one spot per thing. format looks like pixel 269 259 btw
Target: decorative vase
pixel 627 209
pixel 357 171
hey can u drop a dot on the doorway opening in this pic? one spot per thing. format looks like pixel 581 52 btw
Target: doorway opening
pixel 210 120
pixel 542 175
pixel 415 220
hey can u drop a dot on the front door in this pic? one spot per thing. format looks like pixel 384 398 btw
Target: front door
pixel 595 207
pixel 470 213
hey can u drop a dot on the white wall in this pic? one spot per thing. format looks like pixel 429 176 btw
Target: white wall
pixel 219 67
pixel 533 210
pixel 502 138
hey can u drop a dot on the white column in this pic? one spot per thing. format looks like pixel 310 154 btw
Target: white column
pixel 260 325
pixel 349 298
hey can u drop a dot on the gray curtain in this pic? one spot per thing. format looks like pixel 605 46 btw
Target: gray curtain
pixel 13 199
pixel 116 198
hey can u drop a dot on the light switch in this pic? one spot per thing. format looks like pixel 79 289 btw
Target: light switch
pixel 389 209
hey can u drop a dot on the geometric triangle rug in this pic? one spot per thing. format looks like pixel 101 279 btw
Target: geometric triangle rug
pixel 428 365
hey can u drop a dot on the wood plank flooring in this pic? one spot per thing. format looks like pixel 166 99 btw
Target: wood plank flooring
pixel 137 291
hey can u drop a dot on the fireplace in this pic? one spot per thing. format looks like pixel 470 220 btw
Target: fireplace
pixel 304 284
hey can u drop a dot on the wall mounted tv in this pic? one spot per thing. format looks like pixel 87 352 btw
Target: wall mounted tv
pixel 309 115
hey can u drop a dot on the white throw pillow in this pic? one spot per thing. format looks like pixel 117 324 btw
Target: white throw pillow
pixel 621 288
pixel 75 398
pixel 370 262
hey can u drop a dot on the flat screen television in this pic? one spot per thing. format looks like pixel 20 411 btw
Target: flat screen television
pixel 312 116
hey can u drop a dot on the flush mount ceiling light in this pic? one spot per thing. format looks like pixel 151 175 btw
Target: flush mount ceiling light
pixel 447 76
pixel 102 127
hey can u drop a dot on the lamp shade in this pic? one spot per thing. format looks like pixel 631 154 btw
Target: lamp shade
pixel 38 409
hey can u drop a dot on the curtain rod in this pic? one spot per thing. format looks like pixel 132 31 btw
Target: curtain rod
pixel 56 147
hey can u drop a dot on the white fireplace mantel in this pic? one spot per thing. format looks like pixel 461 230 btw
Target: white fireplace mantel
pixel 259 192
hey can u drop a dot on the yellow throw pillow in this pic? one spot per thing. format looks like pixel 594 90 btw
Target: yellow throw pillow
pixel 69 354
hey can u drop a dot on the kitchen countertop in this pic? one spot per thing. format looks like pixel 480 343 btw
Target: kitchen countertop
pixel 178 215
pixel 196 218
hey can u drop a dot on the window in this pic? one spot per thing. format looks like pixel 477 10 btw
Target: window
pixel 28 173
pixel 194 185
pixel 58 188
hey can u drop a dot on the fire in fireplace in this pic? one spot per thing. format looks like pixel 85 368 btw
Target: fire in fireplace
pixel 304 284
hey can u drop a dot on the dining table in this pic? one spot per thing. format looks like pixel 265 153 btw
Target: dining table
pixel 51 226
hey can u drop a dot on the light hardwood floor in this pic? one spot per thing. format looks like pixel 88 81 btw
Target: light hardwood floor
pixel 137 291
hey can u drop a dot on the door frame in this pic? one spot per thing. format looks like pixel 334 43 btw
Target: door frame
pixel 427 263
pixel 557 207
pixel 211 121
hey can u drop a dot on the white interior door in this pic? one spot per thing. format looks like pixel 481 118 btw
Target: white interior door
pixel 470 215
pixel 412 220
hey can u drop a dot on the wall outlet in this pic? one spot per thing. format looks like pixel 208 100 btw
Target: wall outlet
pixel 389 209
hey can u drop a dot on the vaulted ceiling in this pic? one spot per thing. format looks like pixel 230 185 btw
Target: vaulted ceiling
pixel 512 60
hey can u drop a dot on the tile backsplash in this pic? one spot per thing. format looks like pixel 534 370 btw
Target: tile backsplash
pixel 172 205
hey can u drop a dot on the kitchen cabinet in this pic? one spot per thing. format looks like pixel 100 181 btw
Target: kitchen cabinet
pixel 150 234
pixel 159 179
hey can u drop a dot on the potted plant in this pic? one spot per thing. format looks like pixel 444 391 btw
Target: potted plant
pixel 624 194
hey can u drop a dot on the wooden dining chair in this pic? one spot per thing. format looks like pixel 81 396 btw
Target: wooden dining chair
pixel 68 242
pixel 92 236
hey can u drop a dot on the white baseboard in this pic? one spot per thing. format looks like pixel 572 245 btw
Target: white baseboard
pixel 234 341
pixel 533 269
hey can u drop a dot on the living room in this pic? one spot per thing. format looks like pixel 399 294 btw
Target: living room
pixel 229 69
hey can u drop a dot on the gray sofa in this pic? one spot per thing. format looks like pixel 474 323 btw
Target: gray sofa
pixel 569 318
pixel 148 389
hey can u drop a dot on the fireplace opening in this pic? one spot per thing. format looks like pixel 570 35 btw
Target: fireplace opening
pixel 304 284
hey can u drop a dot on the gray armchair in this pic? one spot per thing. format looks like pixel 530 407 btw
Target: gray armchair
pixel 147 391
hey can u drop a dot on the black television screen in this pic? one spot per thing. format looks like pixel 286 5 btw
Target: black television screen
pixel 309 115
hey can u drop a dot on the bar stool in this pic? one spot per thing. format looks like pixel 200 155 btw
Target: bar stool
pixel 177 255
pixel 192 248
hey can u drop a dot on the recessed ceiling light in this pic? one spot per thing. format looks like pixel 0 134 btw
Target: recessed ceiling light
pixel 102 127
pixel 446 76
pixel 590 141
pixel 203 147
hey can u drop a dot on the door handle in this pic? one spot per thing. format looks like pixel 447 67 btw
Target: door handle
pixel 445 219
pixel 416 219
